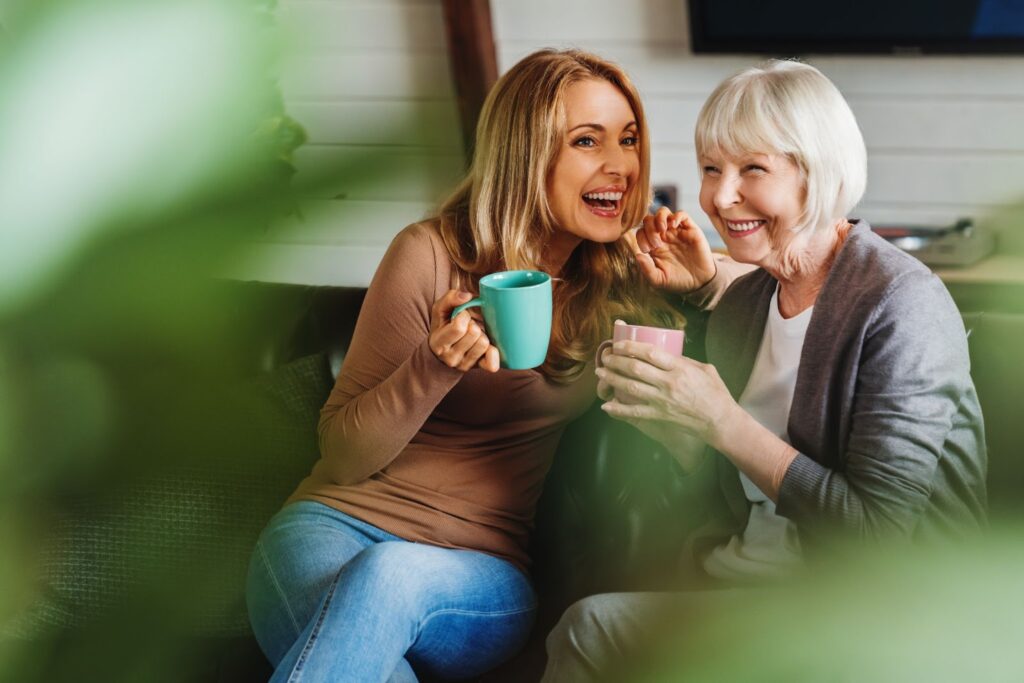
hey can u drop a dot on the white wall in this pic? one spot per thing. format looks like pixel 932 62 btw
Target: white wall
pixel 370 81
pixel 945 135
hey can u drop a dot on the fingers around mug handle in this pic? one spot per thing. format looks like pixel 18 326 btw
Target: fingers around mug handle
pixel 606 344
pixel 469 304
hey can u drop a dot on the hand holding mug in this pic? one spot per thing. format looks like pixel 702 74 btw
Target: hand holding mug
pixel 652 384
pixel 662 338
pixel 459 342
pixel 672 252
pixel 516 306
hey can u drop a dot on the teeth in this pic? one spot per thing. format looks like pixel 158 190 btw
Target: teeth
pixel 743 227
pixel 610 196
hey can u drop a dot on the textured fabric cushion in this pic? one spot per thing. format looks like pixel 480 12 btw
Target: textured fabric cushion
pixel 179 534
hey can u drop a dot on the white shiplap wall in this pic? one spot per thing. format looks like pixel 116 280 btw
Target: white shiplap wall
pixel 370 82
pixel 945 135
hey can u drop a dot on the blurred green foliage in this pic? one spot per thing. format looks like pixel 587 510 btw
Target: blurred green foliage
pixel 887 614
pixel 142 145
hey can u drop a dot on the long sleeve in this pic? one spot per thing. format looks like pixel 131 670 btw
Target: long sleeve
pixel 390 381
pixel 727 270
pixel 911 380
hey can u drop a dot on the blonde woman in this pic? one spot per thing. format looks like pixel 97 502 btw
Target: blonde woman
pixel 838 401
pixel 405 549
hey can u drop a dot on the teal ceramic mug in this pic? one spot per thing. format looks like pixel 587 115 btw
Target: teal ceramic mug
pixel 517 312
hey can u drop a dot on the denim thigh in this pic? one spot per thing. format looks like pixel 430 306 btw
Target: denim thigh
pixel 296 559
pixel 451 613
pixel 477 611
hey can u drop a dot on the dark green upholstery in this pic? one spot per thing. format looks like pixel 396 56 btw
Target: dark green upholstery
pixel 193 522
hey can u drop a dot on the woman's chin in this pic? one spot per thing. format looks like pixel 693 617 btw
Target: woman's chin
pixel 603 231
pixel 740 255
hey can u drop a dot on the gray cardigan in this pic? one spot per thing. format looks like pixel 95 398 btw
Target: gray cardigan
pixel 884 416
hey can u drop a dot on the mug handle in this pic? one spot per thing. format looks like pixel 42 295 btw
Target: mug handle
pixel 600 350
pixel 469 304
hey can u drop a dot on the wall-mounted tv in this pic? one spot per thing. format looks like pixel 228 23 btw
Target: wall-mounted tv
pixel 797 27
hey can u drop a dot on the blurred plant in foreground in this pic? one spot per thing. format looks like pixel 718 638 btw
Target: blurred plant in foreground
pixel 883 614
pixel 141 145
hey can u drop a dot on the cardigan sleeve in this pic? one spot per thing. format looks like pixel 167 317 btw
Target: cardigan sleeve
pixel 707 296
pixel 912 374
pixel 390 381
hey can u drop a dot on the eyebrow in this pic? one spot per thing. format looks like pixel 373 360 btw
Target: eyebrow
pixel 598 126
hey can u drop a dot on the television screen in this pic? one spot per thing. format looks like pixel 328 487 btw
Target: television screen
pixel 792 27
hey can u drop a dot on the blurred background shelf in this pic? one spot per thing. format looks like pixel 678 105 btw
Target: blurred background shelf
pixel 995 269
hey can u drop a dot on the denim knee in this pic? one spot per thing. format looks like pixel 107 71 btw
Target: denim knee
pixel 395 571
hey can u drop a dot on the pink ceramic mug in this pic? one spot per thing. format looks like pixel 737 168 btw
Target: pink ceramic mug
pixel 665 339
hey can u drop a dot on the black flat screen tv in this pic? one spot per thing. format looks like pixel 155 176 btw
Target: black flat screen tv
pixel 797 27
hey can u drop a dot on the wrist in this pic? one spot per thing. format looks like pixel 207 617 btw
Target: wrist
pixel 695 285
pixel 724 430
pixel 708 281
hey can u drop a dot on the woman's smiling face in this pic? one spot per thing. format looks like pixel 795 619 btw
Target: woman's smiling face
pixel 597 165
pixel 753 200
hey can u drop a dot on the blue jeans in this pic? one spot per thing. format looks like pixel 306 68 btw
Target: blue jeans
pixel 332 598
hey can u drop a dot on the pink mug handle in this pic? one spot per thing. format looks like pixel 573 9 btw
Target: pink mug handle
pixel 600 350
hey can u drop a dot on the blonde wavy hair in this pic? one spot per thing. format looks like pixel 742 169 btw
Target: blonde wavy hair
pixel 499 218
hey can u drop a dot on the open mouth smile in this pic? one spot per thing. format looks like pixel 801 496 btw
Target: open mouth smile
pixel 744 228
pixel 606 204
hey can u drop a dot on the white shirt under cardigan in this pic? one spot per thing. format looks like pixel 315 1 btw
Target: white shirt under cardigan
pixel 768 545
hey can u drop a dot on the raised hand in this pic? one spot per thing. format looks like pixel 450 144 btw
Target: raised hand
pixel 672 252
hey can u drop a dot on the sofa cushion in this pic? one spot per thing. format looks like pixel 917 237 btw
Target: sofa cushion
pixel 190 523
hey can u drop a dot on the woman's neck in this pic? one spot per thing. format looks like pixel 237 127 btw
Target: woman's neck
pixel 799 293
pixel 557 252
pixel 799 289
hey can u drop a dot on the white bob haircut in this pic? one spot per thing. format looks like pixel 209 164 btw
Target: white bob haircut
pixel 792 109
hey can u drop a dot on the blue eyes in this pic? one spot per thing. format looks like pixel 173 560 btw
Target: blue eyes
pixel 591 141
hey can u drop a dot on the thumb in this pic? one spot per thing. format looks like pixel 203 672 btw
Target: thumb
pixel 648 267
pixel 643 259
pixel 444 306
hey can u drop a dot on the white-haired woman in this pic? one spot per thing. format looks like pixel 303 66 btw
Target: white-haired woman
pixel 405 549
pixel 837 401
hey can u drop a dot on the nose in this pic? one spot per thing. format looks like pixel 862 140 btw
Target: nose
pixel 727 192
pixel 615 161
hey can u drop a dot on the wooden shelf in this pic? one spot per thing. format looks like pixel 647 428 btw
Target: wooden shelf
pixel 998 269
